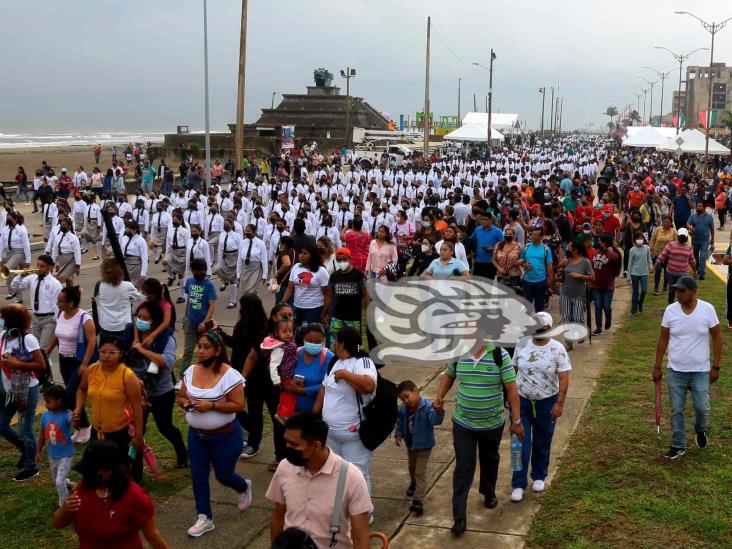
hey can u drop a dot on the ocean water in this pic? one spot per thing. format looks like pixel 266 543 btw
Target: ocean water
pixel 27 140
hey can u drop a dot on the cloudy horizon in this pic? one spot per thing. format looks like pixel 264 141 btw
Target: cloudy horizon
pixel 139 67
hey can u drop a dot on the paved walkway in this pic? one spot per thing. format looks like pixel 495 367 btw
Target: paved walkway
pixel 502 527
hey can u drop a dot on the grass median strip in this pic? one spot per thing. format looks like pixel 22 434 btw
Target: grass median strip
pixel 614 488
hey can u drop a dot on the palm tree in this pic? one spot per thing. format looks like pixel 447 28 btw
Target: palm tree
pixel 726 122
pixel 610 126
pixel 611 111
pixel 635 116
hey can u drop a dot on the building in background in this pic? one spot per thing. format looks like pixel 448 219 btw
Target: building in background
pixel 697 93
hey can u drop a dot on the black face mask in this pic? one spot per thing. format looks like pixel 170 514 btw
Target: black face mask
pixel 294 456
pixel 200 276
pixel 508 238
pixel 207 361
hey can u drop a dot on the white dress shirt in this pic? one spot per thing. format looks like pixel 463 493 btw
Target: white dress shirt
pixel 258 253
pixel 140 215
pixel 119 228
pixel 160 221
pixel 47 294
pixel 198 249
pixel 214 224
pixel 228 242
pixel 15 239
pixel 135 247
pixel 182 233
pixel 66 243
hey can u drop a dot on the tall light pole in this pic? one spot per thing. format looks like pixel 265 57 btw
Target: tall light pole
pixel 459 119
pixel 426 118
pixel 637 97
pixel 542 91
pixel 662 76
pixel 712 28
pixel 347 74
pixel 207 137
pixel 273 97
pixel 681 58
pixel 239 136
pixel 551 113
pixel 490 93
pixel 645 94
pixel 651 84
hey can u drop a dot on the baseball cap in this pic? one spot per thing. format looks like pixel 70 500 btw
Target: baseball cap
pixel 607 208
pixel 685 283
pixel 683 232
pixel 586 226
pixel 343 251
pixel 63 170
pixel 545 319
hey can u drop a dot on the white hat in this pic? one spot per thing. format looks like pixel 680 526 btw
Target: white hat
pixel 683 232
pixel 545 319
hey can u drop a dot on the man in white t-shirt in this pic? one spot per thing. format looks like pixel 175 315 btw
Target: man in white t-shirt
pixel 685 331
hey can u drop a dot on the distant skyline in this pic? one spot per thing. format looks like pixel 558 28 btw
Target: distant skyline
pixel 138 66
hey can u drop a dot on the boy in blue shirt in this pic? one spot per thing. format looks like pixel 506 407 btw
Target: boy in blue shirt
pixel 55 434
pixel 416 427
pixel 201 297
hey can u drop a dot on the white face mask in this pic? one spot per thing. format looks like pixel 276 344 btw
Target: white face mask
pixel 710 211
pixel 425 248
pixel 342 265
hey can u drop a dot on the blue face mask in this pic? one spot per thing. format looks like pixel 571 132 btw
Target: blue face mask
pixel 143 325
pixel 2 323
pixel 313 348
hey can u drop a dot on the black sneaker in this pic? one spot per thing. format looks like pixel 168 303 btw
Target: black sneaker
pixel 701 440
pixel 410 490
pixel 674 453
pixel 458 527
pixel 170 282
pixel 417 508
pixel 19 463
pixel 607 323
pixel 25 475
pixel 597 332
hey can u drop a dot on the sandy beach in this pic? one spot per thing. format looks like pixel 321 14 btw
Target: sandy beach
pixel 58 157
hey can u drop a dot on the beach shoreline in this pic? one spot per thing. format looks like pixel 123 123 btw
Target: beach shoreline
pixel 65 156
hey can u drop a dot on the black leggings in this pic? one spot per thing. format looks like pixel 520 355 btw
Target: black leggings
pixel 161 408
pixel 260 391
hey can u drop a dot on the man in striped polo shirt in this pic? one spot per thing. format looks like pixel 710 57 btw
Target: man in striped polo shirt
pixel 478 421
pixel 679 257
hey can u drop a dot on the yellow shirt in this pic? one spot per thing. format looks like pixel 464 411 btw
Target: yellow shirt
pixel 108 396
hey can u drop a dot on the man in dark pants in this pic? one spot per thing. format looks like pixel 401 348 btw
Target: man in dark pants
pixel 478 422
pixel 483 241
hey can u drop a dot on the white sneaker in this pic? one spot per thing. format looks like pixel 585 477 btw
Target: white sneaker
pixel 538 486
pixel 83 435
pixel 203 525
pixel 245 499
pixel 517 494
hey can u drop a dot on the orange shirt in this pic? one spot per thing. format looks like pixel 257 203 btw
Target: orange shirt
pixel 636 198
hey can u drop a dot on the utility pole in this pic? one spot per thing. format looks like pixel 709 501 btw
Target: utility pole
pixel 239 138
pixel 680 57
pixel 490 99
pixel 662 76
pixel 273 98
pixel 561 111
pixel 207 137
pixel 459 118
pixel 712 28
pixel 542 91
pixel 426 118
pixel 551 113
pixel 348 74
pixel 475 105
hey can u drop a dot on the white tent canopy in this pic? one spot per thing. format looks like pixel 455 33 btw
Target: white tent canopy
pixel 692 142
pixel 665 131
pixel 473 132
pixel 648 136
pixel 500 120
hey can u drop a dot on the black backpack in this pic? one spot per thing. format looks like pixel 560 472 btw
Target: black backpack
pixel 379 416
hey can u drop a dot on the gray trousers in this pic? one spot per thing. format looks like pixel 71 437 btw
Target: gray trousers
pixel 190 340
pixel 13 261
pixel 42 327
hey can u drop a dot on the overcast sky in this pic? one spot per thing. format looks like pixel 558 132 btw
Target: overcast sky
pixel 137 65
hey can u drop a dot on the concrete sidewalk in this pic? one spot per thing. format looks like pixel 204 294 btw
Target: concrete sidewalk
pixel 504 526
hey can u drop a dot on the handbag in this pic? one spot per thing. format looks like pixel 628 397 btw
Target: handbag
pixel 19 379
pixel 81 344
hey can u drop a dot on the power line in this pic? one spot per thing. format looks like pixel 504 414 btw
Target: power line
pixel 445 44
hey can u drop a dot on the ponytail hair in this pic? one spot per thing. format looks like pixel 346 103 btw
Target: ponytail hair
pixel 350 338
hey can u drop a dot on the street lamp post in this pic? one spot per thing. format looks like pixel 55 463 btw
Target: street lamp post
pixel 490 93
pixel 273 97
pixel 637 97
pixel 662 76
pixel 551 113
pixel 207 137
pixel 348 74
pixel 650 112
pixel 681 58
pixel 712 28
pixel 542 91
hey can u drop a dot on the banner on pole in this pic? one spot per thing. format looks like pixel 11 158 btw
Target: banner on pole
pixel 707 119
pixel 288 138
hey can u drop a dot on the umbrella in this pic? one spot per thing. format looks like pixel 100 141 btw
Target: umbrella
pixel 658 407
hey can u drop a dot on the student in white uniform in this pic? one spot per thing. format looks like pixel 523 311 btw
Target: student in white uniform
pixel 160 224
pixel 176 244
pixel 14 247
pixel 252 263
pixel 228 256
pixel 134 251
pixel 66 252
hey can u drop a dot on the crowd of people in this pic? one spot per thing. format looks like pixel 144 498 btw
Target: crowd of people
pixel 554 219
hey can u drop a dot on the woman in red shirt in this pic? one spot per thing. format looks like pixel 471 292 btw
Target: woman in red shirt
pixel 358 241
pixel 107 508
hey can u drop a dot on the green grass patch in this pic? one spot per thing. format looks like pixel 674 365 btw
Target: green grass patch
pixel 614 488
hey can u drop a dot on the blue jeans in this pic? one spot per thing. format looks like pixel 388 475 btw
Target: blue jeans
pixel 25 438
pixel 536 416
pixel 657 276
pixel 69 367
pixel 603 300
pixel 21 189
pixel 535 293
pixel 640 289
pixel 348 445
pixel 701 250
pixel 281 293
pixel 220 451
pixel 306 316
pixel 678 384
pixel 672 278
